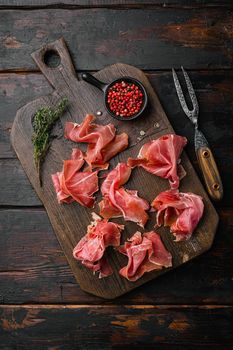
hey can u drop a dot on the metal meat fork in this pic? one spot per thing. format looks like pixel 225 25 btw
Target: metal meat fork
pixel 204 155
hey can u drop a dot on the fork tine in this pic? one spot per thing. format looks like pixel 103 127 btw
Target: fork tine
pixel 181 95
pixel 191 91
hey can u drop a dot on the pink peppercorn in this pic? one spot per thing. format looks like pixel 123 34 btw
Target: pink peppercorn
pixel 124 99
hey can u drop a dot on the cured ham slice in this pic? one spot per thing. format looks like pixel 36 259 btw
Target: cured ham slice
pixel 71 184
pixel 103 144
pixel 126 204
pixel 118 201
pixel 145 253
pixel 117 145
pixel 91 248
pixel 116 178
pixel 108 210
pixel 89 132
pixel 180 211
pixel 160 157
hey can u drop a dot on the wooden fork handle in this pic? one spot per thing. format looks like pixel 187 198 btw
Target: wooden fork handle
pixel 210 173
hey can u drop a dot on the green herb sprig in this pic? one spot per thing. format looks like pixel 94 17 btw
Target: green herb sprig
pixel 43 122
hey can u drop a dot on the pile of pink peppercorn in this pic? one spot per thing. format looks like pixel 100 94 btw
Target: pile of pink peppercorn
pixel 124 99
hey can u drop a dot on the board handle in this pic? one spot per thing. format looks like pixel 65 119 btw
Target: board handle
pixel 62 76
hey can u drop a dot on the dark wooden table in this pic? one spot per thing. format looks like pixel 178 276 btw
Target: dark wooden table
pixel 42 307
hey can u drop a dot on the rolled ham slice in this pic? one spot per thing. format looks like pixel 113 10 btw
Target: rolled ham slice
pixel 118 201
pixel 145 253
pixel 180 211
pixel 90 250
pixel 71 184
pixel 103 143
pixel 160 157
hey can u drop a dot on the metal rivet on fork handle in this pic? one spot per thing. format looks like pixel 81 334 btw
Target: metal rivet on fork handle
pixel 206 154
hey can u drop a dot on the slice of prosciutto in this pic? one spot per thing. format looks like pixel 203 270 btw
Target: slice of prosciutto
pixel 116 178
pixel 180 211
pixel 103 143
pixel 71 184
pixel 145 253
pixel 90 250
pixel 160 157
pixel 118 201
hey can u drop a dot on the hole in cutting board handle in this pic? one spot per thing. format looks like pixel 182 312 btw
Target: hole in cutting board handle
pixel 52 59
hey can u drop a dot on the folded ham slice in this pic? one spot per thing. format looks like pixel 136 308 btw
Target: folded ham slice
pixel 103 143
pixel 91 248
pixel 180 211
pixel 145 253
pixel 160 157
pixel 118 201
pixel 116 178
pixel 71 184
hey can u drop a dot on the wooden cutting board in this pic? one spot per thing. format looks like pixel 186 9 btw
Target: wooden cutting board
pixel 70 221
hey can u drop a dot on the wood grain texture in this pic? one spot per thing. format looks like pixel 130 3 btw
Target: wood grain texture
pixel 15 188
pixel 33 268
pixel 15 90
pixel 31 271
pixel 210 173
pixel 109 327
pixel 111 3
pixel 214 92
pixel 147 38
pixel 83 99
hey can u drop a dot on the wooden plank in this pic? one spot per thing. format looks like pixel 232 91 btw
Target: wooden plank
pixel 70 222
pixel 14 185
pixel 15 91
pixel 147 38
pixel 109 3
pixel 34 269
pixel 16 189
pixel 111 327
pixel 216 109
pixel 213 91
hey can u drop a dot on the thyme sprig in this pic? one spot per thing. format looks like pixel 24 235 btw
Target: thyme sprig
pixel 43 122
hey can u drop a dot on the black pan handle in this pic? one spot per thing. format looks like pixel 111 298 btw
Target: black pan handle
pixel 93 81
